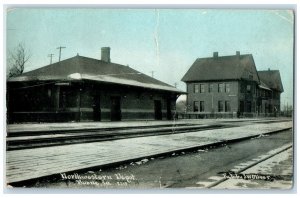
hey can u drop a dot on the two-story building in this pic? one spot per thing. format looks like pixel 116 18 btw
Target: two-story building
pixel 269 92
pixel 228 86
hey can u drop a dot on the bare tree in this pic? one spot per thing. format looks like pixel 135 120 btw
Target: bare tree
pixel 17 60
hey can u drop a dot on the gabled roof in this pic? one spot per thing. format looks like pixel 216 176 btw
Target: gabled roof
pixel 272 79
pixel 222 68
pixel 79 67
pixel 263 86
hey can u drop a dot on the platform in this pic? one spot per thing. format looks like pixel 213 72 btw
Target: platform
pixel 34 163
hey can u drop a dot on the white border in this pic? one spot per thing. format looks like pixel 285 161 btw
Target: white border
pixel 138 4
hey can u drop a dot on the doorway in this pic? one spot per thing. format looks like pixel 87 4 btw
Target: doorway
pixel 96 108
pixel 241 106
pixel 157 110
pixel 115 110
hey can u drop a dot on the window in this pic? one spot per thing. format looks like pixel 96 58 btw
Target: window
pixel 201 88
pixel 68 98
pixel 227 106
pixel 250 76
pixel 242 88
pixel 201 106
pixel 62 99
pixel 227 87
pixel 210 89
pixel 220 106
pixel 196 106
pixel 220 87
pixel 248 88
pixel 49 92
pixel 196 88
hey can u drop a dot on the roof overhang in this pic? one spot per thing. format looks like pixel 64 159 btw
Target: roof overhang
pixel 122 81
pixel 264 87
pixel 97 78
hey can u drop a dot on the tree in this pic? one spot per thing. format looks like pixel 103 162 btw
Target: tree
pixel 181 106
pixel 17 60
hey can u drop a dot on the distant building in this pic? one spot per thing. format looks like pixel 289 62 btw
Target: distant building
pixel 230 86
pixel 86 89
pixel 269 91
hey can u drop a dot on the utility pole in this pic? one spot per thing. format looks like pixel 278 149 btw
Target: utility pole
pixel 60 47
pixel 152 74
pixel 50 55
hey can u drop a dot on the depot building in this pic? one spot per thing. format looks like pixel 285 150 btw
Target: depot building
pixel 87 89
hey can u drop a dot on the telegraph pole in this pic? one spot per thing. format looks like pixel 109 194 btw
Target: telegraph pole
pixel 60 47
pixel 50 55
pixel 152 74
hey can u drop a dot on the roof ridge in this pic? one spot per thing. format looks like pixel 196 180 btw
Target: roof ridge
pixel 226 56
pixel 102 61
pixel 271 70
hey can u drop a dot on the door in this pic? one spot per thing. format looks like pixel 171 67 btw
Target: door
pixel 96 108
pixel 115 110
pixel 169 113
pixel 157 110
pixel 242 106
pixel 249 106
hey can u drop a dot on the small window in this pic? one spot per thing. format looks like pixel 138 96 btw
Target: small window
pixel 210 89
pixel 248 88
pixel 220 106
pixel 196 106
pixel 227 87
pixel 250 76
pixel 201 88
pixel 196 88
pixel 201 106
pixel 227 106
pixel 49 92
pixel 220 88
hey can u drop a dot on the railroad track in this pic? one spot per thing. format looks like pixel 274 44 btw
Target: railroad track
pixel 214 181
pixel 17 140
pixel 35 139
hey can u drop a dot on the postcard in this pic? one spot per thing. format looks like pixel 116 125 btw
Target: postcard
pixel 149 98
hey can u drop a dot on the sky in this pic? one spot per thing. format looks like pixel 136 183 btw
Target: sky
pixel 166 41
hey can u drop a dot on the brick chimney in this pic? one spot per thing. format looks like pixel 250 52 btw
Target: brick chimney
pixel 105 54
pixel 215 55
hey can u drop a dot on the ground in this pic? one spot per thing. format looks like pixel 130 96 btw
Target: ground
pixel 194 169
